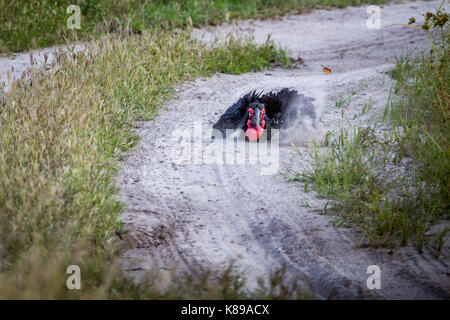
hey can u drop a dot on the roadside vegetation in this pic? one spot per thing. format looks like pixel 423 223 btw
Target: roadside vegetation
pixel 62 132
pixel 395 184
pixel 28 24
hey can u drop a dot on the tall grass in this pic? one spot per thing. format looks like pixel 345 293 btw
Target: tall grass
pixel 30 24
pixel 61 135
pixel 359 171
pixel 421 119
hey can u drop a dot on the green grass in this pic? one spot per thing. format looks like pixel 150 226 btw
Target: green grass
pixel 32 24
pixel 61 135
pixel 358 170
pixel 346 170
pixel 343 99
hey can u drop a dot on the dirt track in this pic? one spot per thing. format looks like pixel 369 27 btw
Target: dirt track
pixel 190 215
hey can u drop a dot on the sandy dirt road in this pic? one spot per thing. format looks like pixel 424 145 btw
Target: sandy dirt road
pixel 195 214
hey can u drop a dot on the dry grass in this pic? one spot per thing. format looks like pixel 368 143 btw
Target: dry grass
pixel 61 135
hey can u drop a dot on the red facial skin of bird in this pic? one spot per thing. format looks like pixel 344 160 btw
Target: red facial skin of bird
pixel 252 133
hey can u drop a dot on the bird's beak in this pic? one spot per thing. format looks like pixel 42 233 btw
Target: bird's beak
pixel 256 120
pixel 254 130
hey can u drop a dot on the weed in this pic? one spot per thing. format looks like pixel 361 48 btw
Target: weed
pixel 358 171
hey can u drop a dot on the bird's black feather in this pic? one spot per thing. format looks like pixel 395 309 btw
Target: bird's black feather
pixel 276 104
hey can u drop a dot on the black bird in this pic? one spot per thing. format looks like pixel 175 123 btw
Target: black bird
pixel 256 113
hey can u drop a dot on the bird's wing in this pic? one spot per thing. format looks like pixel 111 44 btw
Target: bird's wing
pixel 277 102
pixel 235 116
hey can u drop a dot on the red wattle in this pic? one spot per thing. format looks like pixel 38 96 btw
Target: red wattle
pixel 253 134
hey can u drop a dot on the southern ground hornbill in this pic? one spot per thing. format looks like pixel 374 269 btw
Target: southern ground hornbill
pixel 257 113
